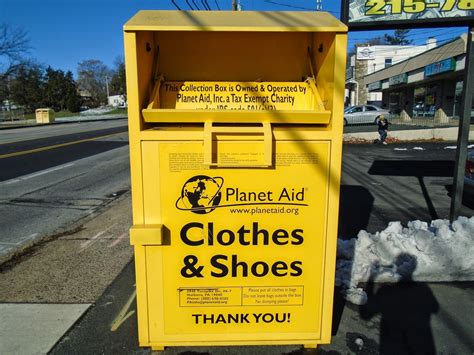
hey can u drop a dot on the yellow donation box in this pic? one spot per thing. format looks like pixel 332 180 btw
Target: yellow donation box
pixel 235 123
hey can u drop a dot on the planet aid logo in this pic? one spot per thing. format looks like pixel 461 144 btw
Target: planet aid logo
pixel 202 194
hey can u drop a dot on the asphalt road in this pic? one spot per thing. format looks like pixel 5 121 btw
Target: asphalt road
pixel 53 176
pixel 399 182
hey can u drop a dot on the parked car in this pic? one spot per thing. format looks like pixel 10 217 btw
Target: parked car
pixel 469 173
pixel 363 114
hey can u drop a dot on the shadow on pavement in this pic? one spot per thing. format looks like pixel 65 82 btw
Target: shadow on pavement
pixel 100 331
pixel 467 197
pixel 355 207
pixel 406 309
pixel 418 169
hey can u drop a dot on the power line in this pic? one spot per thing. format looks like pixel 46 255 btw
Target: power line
pixel 439 41
pixel 319 5
pixel 414 35
pixel 197 7
pixel 176 5
pixel 417 35
pixel 187 2
pixel 204 3
pixel 288 5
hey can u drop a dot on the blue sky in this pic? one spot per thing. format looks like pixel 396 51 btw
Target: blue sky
pixel 65 32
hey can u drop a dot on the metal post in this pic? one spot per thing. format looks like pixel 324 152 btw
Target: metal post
pixel 107 87
pixel 463 133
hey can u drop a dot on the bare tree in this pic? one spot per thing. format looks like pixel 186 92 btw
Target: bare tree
pixel 14 42
pixel 92 75
pixel 118 82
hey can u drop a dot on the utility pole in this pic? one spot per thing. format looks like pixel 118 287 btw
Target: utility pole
pixel 463 132
pixel 319 5
pixel 107 87
pixel 236 5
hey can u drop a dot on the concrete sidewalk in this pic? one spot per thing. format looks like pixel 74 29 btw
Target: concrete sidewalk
pixel 449 134
pixel 47 290
pixel 111 327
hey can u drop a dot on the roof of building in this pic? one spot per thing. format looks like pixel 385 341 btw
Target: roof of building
pixel 451 49
pixel 235 21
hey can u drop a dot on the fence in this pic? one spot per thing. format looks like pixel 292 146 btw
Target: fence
pixel 415 121
pixel 15 115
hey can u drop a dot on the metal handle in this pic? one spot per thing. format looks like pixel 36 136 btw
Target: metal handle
pixel 146 234
pixel 265 131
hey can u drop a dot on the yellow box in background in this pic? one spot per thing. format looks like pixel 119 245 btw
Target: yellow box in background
pixel 235 122
pixel 44 115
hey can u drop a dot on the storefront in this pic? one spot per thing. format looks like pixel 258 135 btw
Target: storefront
pixel 425 84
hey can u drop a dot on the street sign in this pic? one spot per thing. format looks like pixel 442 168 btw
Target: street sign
pixel 366 14
pixel 440 67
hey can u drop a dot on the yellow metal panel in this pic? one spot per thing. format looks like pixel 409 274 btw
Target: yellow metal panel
pixel 151 183
pixel 228 116
pixel 134 124
pixel 260 56
pixel 142 291
pixel 146 234
pixel 188 132
pixel 246 21
pixel 340 44
pixel 281 213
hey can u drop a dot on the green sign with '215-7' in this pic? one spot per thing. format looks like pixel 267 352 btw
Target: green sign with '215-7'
pixel 359 12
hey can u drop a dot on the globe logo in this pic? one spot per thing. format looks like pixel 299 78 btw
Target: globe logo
pixel 201 194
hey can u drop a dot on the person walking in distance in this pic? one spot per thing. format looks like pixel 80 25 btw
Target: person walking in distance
pixel 382 124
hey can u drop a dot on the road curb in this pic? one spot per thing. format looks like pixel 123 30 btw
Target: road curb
pixel 12 257
pixel 444 134
pixel 5 127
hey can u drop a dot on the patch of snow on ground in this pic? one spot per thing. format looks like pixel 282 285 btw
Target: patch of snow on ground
pixel 418 148
pixel 400 148
pixel 470 146
pixel 439 251
pixel 97 111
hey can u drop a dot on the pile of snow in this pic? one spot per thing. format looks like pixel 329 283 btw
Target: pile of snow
pixel 470 146
pixel 404 149
pixel 97 111
pixel 437 252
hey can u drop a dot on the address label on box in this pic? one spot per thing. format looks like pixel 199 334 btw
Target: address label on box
pixel 241 296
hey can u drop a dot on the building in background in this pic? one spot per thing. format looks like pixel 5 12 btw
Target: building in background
pixel 429 84
pixel 117 101
pixel 370 59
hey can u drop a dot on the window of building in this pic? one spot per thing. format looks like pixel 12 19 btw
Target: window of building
pixel 388 62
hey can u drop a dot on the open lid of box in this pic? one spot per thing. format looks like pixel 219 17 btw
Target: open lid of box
pixel 235 21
